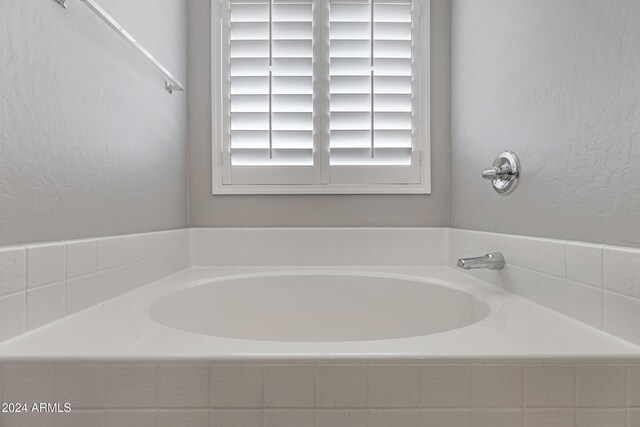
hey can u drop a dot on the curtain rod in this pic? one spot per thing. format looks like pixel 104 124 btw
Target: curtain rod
pixel 171 83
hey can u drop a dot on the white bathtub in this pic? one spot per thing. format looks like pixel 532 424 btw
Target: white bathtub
pixel 315 313
pixel 318 307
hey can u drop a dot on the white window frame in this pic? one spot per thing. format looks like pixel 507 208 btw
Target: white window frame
pixel 422 122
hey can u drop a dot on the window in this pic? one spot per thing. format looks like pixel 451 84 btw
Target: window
pixel 320 96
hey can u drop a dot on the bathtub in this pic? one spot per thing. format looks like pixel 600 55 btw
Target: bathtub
pixel 213 314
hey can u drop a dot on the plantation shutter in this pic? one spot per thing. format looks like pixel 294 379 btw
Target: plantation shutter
pixel 371 92
pixel 320 92
pixel 270 112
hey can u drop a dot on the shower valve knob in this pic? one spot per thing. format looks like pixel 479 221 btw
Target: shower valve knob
pixel 494 172
pixel 504 173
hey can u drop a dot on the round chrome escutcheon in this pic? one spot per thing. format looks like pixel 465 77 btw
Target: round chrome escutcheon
pixel 508 167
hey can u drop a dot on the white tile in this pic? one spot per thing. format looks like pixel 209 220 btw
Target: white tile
pixel 445 386
pixel 521 281
pixel 445 418
pixel 261 237
pixel 12 315
pixel 585 303
pixel 584 264
pixel 137 418
pixel 394 418
pixel 341 418
pixel 330 255
pixel 548 418
pixel 107 253
pixel 353 255
pixel 496 385
pixel 549 386
pixel 353 237
pixel 288 418
pixel 289 386
pixel 432 237
pixel 236 386
pixel 81 418
pixel 107 284
pixel 131 386
pixel 129 249
pixel 634 418
pixel 232 237
pixel 28 383
pixel 236 418
pixel 400 237
pixel 633 380
pixel 149 245
pixel 81 385
pixel 174 240
pixel 81 258
pixel 622 317
pixel 183 386
pixel 404 255
pixel 443 237
pixel 586 417
pixel 152 269
pixel 342 386
pixel 455 240
pixel 80 293
pixel 206 257
pixel 552 258
pixel 261 256
pixel 13 266
pixel 45 264
pixel 37 419
pixel 552 292
pixel 206 237
pixel 476 242
pixel 600 385
pixel 526 252
pixel 622 271
pixel 129 277
pixel 165 242
pixel 301 256
pixel 322 237
pixel 231 257
pixel 496 418
pixel 181 418
pixel 506 245
pixel 428 256
pixel 394 386
pixel 45 305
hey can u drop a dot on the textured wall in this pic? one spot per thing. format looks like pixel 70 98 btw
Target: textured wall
pixel 559 83
pixel 90 143
pixel 206 210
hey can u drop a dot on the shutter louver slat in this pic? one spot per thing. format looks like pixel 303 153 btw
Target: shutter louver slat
pixel 371 121
pixel 271 83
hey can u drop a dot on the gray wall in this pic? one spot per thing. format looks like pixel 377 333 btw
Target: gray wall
pixel 206 210
pixel 559 83
pixel 90 143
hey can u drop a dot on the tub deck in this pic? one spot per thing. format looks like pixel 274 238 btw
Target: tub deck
pixel 121 330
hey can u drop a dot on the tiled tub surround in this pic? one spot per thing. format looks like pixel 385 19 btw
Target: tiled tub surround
pixel 317 246
pixel 42 283
pixel 329 394
pixel 595 284
pixel 599 389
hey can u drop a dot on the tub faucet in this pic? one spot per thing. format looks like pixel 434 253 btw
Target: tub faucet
pixel 493 261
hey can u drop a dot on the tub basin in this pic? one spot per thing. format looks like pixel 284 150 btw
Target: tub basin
pixel 317 308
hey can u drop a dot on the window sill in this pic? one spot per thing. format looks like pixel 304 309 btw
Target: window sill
pixel 320 189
